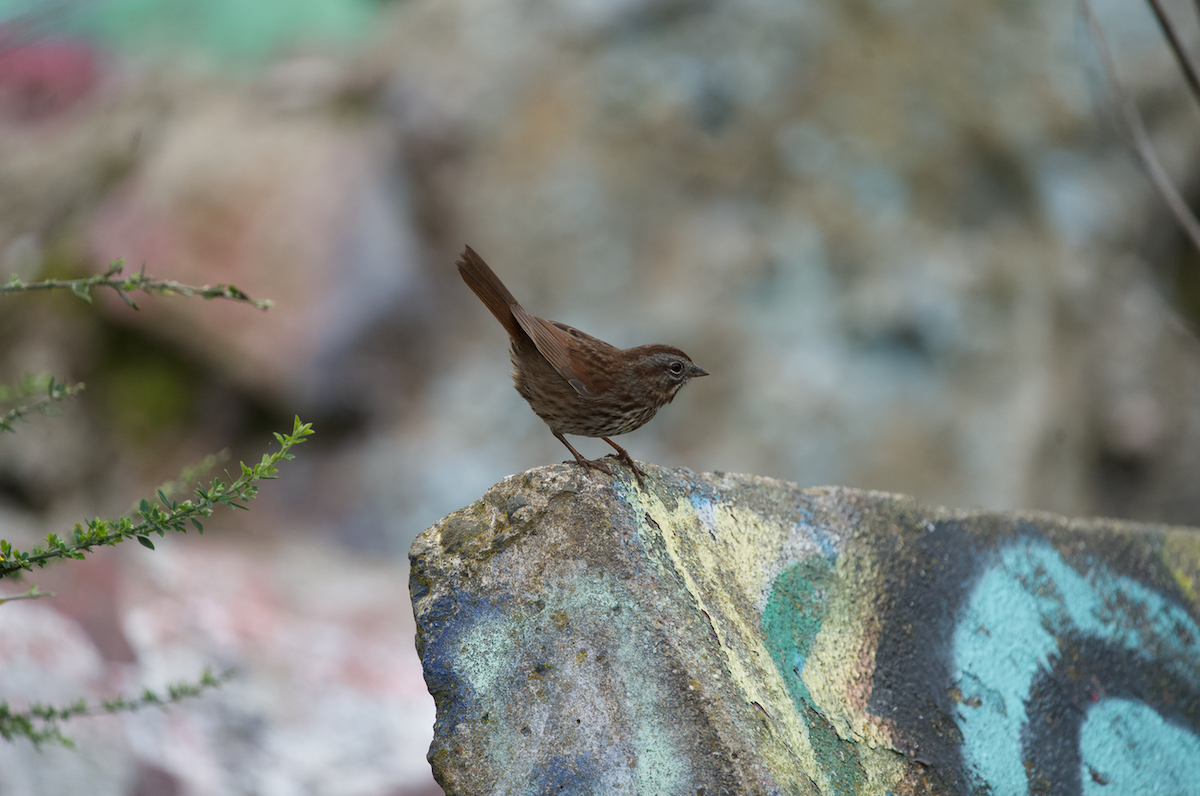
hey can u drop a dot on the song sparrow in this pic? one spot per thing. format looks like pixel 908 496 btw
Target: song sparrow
pixel 576 383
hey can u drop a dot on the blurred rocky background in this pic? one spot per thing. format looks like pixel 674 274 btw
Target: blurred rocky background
pixel 908 238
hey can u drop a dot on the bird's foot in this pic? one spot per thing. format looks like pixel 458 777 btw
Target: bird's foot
pixel 588 464
pixel 622 455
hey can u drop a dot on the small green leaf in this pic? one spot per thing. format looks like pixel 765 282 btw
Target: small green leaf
pixel 145 542
pixel 80 288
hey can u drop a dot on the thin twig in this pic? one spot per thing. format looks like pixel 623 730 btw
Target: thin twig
pixel 138 281
pixel 41 723
pixel 32 593
pixel 1185 62
pixel 56 392
pixel 1141 139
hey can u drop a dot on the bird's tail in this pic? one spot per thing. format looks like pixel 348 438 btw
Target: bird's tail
pixel 491 291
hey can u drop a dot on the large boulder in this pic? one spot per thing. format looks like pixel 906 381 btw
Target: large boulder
pixel 720 633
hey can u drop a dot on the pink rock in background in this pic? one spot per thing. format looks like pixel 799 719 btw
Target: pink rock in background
pixel 40 79
pixel 325 693
pixel 275 205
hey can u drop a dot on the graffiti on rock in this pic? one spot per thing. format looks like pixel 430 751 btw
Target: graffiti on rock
pixel 1060 671
pixel 1013 669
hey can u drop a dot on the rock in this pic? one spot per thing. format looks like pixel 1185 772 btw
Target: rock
pixel 723 633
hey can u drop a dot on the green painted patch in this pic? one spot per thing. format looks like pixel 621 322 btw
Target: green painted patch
pixel 225 29
pixel 837 757
pixel 792 618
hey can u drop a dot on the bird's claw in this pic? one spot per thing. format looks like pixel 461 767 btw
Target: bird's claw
pixel 592 465
pixel 638 472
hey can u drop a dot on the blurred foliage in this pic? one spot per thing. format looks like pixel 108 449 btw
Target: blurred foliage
pixel 31 385
pixel 165 515
pixel 146 389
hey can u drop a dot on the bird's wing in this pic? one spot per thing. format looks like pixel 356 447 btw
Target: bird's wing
pixel 552 342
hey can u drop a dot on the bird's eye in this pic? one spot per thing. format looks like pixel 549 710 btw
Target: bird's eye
pixel 676 368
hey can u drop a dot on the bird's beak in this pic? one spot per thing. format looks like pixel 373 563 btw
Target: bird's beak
pixel 697 371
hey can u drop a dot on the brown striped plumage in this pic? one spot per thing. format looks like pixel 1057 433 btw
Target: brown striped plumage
pixel 576 383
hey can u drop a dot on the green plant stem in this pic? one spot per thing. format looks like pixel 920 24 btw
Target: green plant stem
pixel 57 391
pixel 40 723
pixel 165 515
pixel 124 286
pixel 32 593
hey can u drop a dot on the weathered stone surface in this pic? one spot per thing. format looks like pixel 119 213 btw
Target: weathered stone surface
pixel 732 633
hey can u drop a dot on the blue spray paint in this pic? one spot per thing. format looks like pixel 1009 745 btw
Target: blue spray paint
pixel 1128 748
pixel 818 534
pixel 706 512
pixel 1009 632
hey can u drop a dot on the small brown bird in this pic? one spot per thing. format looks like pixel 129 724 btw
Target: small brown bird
pixel 574 382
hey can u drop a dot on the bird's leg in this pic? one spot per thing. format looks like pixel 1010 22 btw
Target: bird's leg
pixel 581 460
pixel 623 455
